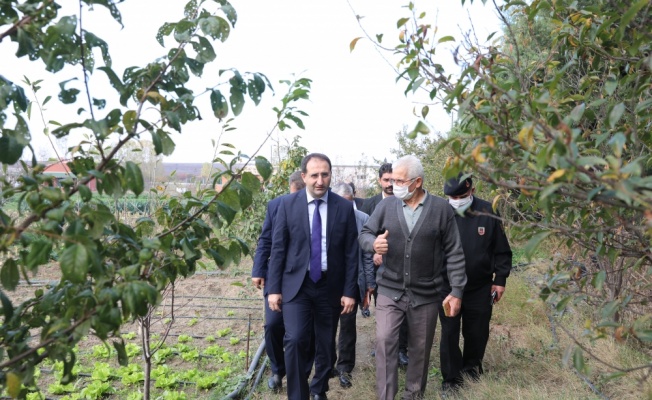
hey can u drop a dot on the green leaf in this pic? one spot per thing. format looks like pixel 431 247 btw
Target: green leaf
pixel 39 253
pixel 119 346
pixel 238 89
pixel 25 43
pixel 590 161
pixel 256 87
pixel 134 177
pixel 264 167
pixel 615 114
pixel 85 193
pixel 7 307
pixel 402 22
pixel 534 242
pixel 75 263
pixel 598 280
pixel 9 277
pixel 183 30
pixel 578 111
pixel 629 15
pixel 644 335
pixel 219 104
pixel 204 49
pixel 10 149
pixel 550 189
pixel 129 120
pixel 578 360
pixel 610 85
pixel 446 39
pixel 215 27
pixel 421 127
pixel 228 205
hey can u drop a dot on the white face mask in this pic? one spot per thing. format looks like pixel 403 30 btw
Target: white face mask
pixel 402 192
pixel 463 203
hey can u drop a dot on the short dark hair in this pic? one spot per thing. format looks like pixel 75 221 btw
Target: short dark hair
pixel 352 186
pixel 385 169
pixel 296 180
pixel 323 157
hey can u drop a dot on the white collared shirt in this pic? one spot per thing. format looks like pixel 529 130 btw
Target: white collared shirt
pixel 323 212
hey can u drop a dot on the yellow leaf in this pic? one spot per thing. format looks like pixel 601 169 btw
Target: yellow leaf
pixel 557 174
pixel 156 96
pixel 353 43
pixel 526 136
pixel 490 141
pixel 494 204
pixel 13 384
pixel 477 154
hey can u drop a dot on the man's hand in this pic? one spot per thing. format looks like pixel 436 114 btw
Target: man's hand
pixel 378 260
pixel 452 305
pixel 274 301
pixel 367 298
pixel 258 282
pixel 499 292
pixel 380 244
pixel 347 304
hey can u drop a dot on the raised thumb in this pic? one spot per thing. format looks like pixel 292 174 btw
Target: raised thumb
pixel 384 235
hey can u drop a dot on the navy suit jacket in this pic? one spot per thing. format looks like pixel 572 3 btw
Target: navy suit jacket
pixel 290 256
pixel 264 248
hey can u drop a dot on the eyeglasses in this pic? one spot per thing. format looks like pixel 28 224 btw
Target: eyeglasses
pixel 401 182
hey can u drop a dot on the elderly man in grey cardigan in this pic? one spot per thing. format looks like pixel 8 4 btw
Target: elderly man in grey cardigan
pixel 417 236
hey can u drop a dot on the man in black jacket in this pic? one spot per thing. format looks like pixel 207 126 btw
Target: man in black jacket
pixel 488 264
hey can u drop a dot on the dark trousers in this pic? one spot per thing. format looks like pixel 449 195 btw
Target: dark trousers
pixel 274 333
pixel 346 342
pixel 473 319
pixel 309 313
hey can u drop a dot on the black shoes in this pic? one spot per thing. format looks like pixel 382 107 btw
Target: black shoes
pixel 403 359
pixel 318 397
pixel 345 380
pixel 275 383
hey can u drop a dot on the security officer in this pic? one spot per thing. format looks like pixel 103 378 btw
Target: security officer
pixel 488 264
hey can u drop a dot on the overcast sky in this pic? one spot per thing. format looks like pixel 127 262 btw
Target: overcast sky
pixel 356 106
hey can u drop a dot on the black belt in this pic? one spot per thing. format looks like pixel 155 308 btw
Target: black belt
pixel 324 274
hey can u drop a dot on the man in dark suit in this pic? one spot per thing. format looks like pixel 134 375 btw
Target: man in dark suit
pixel 384 177
pixel 347 337
pixel 358 201
pixel 274 329
pixel 312 274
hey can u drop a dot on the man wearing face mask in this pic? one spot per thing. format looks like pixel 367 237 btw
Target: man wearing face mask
pixel 387 190
pixel 417 236
pixel 488 264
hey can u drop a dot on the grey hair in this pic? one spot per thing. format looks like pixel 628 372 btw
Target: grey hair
pixel 296 180
pixel 342 189
pixel 412 164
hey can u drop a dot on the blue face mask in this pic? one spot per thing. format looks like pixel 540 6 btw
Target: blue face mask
pixel 462 203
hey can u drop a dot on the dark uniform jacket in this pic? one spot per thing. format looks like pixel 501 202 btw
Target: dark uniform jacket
pixel 486 249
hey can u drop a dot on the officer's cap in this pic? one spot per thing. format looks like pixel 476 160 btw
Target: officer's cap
pixel 455 187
